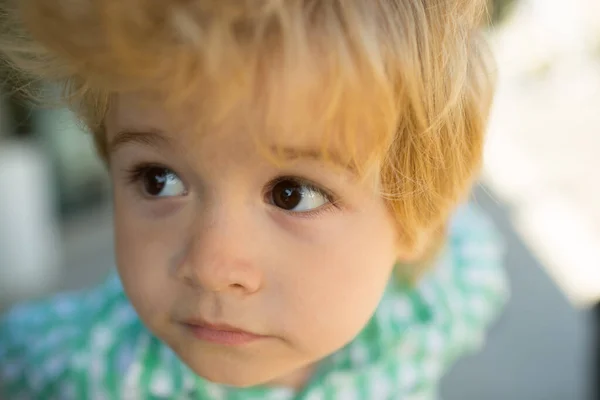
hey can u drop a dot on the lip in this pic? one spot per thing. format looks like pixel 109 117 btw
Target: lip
pixel 223 334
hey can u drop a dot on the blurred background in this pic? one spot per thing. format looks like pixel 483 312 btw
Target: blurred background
pixel 540 184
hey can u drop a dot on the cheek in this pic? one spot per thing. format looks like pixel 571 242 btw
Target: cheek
pixel 143 251
pixel 337 287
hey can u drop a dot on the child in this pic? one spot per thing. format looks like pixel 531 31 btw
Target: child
pixel 288 178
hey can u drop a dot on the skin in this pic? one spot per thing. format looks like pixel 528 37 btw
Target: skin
pixel 215 246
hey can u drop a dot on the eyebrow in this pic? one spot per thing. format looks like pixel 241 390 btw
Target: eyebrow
pixel 152 138
pixel 293 153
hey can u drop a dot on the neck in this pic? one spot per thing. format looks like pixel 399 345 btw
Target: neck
pixel 296 379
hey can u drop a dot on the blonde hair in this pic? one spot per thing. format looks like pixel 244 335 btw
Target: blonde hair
pixel 409 80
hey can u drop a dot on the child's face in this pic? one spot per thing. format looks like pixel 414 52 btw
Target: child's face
pixel 209 231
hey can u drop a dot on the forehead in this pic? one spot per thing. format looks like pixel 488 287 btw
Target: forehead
pixel 192 124
pixel 245 126
pixel 282 94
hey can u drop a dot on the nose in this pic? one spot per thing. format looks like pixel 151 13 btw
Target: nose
pixel 221 256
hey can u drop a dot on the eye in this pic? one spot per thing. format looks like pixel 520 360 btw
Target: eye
pixel 157 181
pixel 292 195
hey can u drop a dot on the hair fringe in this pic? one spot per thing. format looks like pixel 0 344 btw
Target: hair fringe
pixel 413 74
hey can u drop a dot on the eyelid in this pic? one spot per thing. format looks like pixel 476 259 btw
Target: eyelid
pixel 138 168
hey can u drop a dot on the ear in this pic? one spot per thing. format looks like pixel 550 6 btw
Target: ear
pixel 412 250
pixel 417 259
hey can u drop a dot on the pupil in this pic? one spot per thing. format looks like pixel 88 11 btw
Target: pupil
pixel 287 195
pixel 155 180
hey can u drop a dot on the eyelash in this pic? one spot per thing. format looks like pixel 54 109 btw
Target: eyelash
pixel 303 182
pixel 135 174
pixel 332 198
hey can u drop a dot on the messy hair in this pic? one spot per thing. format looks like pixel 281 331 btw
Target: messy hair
pixel 405 84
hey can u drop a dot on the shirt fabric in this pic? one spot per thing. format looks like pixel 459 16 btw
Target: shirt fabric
pixel 91 344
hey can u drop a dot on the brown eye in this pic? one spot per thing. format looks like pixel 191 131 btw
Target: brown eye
pixel 161 182
pixel 291 195
pixel 287 195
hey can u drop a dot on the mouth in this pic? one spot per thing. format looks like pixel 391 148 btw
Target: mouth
pixel 222 334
